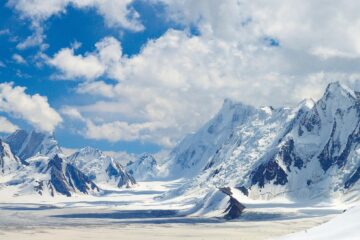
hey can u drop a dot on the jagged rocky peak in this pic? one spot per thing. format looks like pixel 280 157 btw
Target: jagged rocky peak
pixel 322 147
pixel 55 176
pixel 336 89
pixel 101 168
pixel 8 162
pixel 306 104
pixel 337 97
pixel 310 150
pixel 26 144
pixel 144 168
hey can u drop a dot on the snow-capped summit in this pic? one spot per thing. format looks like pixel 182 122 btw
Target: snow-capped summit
pixel 144 168
pixel 302 152
pixel 193 153
pixel 28 144
pixel 8 162
pixel 51 177
pixel 101 168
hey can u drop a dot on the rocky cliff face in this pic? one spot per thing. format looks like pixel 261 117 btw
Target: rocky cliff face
pixel 52 177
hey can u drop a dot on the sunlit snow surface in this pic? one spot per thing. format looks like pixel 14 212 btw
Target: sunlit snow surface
pixel 345 227
pixel 138 211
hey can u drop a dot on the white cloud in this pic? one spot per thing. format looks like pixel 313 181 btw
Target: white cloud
pixel 89 66
pixel 99 88
pixel 72 67
pixel 118 130
pixel 6 126
pixel 72 113
pixel 34 109
pixel 4 32
pixel 178 81
pixel 117 14
pixel 18 59
pixel 37 38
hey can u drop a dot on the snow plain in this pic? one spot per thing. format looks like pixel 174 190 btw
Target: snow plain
pixel 140 213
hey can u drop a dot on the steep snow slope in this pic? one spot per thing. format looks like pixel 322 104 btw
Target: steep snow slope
pixel 8 162
pixel 144 168
pixel 192 155
pixel 28 144
pixel 51 177
pixel 346 226
pixel 305 152
pixel 101 168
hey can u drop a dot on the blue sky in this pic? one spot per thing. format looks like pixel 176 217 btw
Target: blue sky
pixel 138 76
pixel 86 27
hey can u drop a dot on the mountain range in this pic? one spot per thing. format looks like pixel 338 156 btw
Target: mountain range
pixel 310 151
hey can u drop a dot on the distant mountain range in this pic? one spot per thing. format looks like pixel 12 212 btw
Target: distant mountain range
pixel 305 152
pixel 34 163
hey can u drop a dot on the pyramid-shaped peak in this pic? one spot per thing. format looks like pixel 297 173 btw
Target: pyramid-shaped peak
pixel 336 89
pixel 307 103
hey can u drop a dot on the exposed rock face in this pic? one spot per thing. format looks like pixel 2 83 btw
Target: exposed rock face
pixel 234 208
pixel 63 178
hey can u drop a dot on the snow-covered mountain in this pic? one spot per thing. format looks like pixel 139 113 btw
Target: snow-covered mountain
pixel 300 152
pixel 101 168
pixel 8 162
pixel 191 156
pixel 28 144
pixel 50 177
pixel 144 168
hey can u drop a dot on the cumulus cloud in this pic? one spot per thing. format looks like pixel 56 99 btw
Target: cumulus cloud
pixel 71 112
pixel 18 59
pixel 89 66
pixel 99 88
pixel 34 109
pixel 118 130
pixel 6 126
pixel 117 14
pixel 178 81
pixel 72 67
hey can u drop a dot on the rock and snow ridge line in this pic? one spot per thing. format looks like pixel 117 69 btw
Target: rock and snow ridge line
pixel 32 167
pixel 305 152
